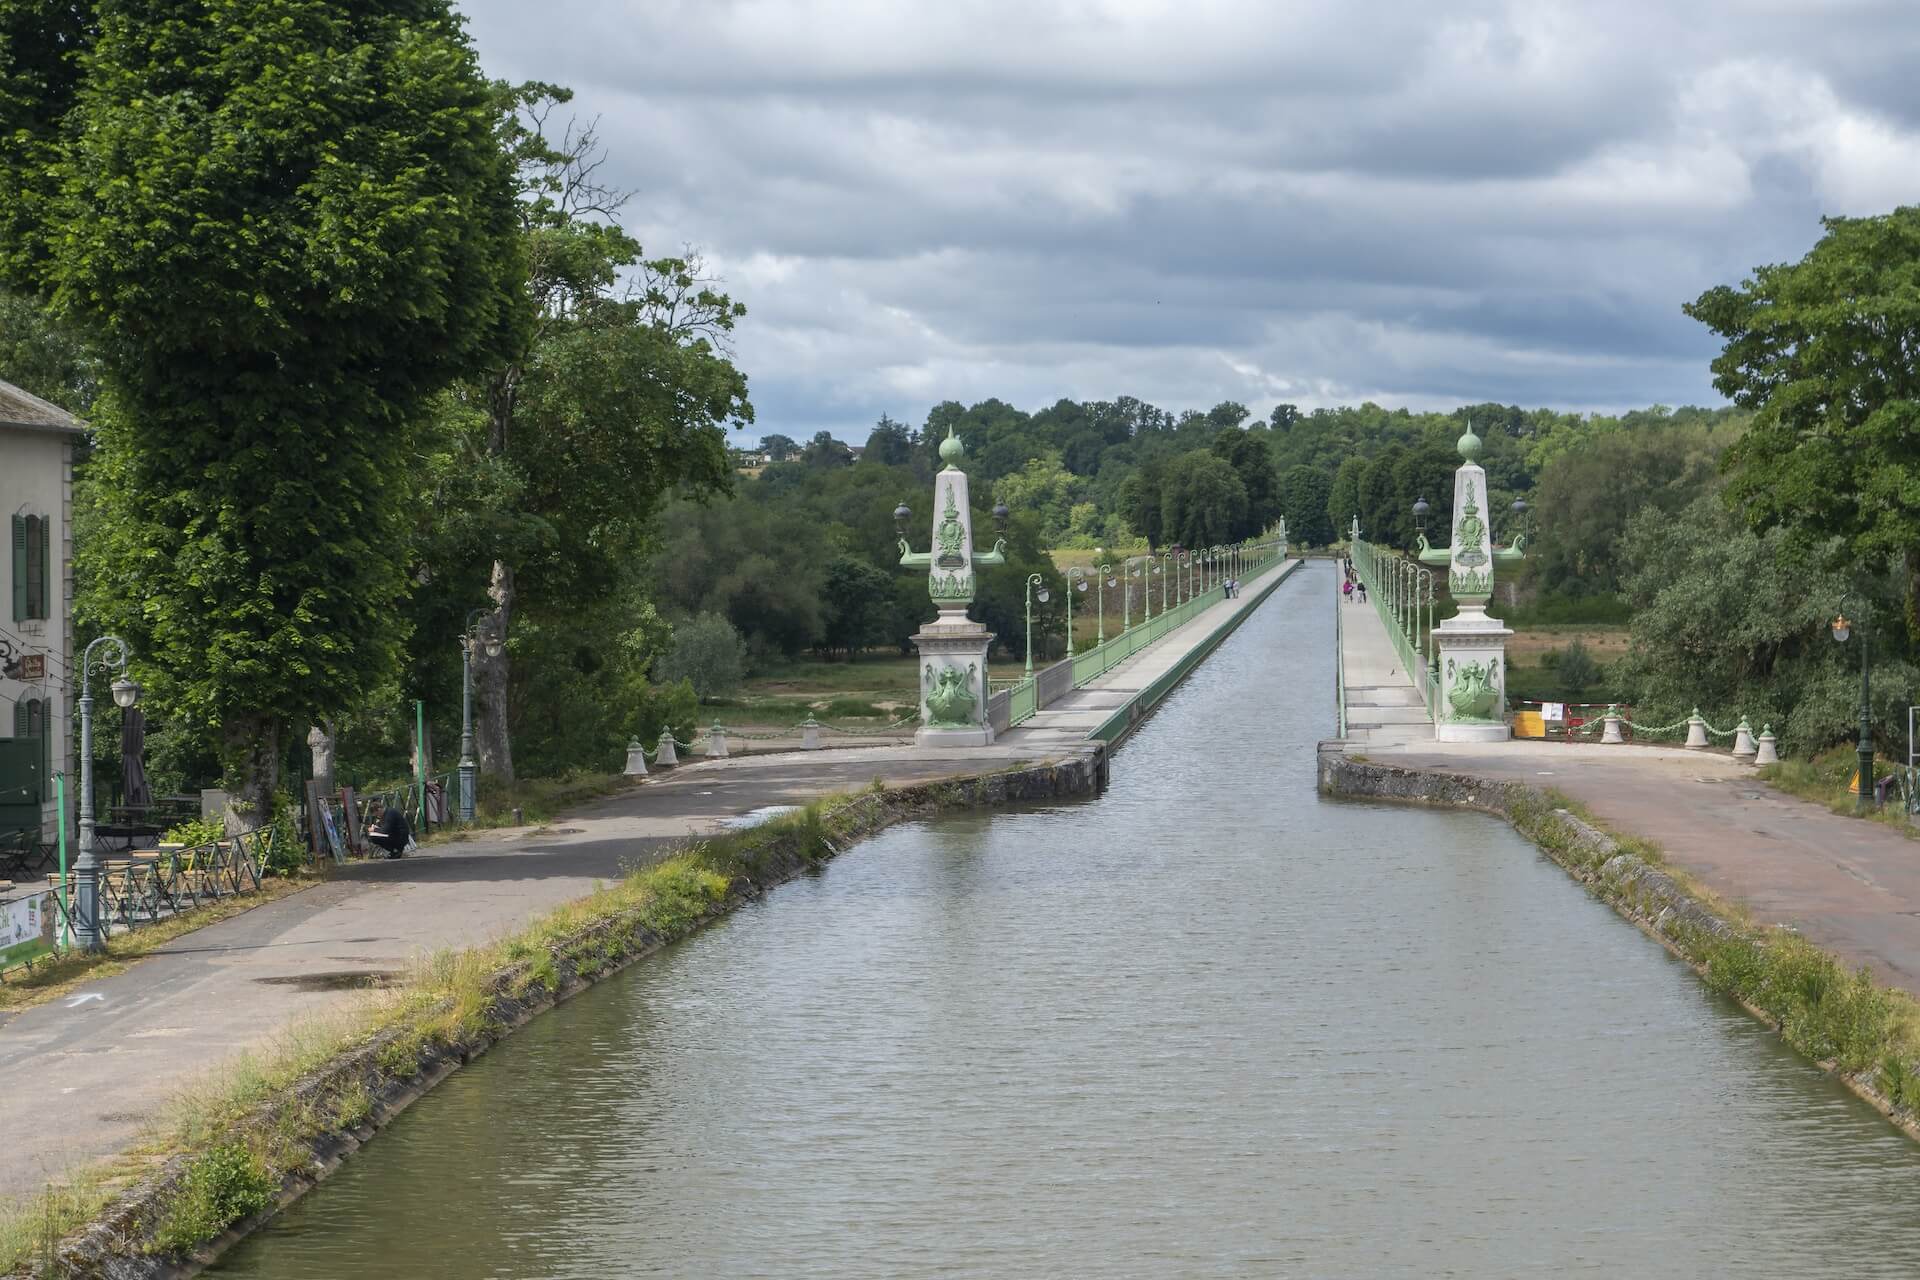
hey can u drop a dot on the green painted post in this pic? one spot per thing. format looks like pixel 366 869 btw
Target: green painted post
pixel 420 759
pixel 66 905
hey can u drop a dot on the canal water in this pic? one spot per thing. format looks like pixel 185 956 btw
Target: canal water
pixel 1205 1025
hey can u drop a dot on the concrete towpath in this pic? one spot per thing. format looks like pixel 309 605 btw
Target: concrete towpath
pixel 86 1073
pixel 1849 886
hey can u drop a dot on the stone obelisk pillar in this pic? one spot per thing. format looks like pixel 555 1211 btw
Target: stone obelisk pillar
pixel 1471 647
pixel 953 647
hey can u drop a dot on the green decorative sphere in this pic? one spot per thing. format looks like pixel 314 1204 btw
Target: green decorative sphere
pixel 951 450
pixel 1468 444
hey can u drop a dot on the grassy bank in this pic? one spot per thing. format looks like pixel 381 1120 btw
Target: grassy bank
pixel 1866 1033
pixel 1824 780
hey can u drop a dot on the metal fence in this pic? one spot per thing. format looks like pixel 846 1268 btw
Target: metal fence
pixel 1046 686
pixel 1402 593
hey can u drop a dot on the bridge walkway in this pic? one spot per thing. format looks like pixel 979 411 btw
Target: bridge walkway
pixel 1382 703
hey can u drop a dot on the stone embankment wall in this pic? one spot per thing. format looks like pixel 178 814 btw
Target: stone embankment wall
pixel 395 1067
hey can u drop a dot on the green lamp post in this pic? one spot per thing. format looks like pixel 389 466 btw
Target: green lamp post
pixel 1101 583
pixel 1033 580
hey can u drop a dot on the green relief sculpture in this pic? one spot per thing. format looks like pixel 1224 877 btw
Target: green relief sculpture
pixel 1471 691
pixel 1471 583
pixel 951 535
pixel 1473 531
pixel 950 698
pixel 950 586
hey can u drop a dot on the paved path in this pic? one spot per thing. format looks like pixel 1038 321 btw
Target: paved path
pixel 87 1072
pixel 1852 887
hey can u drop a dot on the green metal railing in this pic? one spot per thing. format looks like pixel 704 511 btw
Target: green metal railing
pixel 1256 559
pixel 1399 591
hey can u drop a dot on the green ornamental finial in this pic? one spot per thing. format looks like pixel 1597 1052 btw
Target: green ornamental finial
pixel 1468 444
pixel 951 450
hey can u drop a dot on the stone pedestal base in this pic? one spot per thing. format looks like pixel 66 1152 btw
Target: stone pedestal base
pixel 954 642
pixel 1470 643
pixel 980 737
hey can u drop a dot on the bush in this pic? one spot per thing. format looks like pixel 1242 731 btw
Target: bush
pixel 1576 667
pixel 223 1186
pixel 665 706
pixel 708 653
pixel 197 832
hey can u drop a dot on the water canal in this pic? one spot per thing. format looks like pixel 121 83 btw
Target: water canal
pixel 1207 1025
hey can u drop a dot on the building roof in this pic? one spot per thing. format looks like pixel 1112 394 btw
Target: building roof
pixel 22 409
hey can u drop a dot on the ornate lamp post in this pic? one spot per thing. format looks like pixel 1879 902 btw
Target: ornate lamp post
pixel 1842 628
pixel 468 768
pixel 1101 583
pixel 1033 580
pixel 1076 581
pixel 89 930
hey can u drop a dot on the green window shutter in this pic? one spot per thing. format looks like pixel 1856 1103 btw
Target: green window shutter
pixel 46 564
pixel 19 570
pixel 36 566
pixel 43 712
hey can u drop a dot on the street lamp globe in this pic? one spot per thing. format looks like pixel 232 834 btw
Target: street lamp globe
pixel 1420 510
pixel 1080 585
pixel 1044 595
pixel 1842 628
pixel 125 693
pixel 1000 514
pixel 493 647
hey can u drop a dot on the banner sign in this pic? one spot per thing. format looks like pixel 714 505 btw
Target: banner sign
pixel 28 927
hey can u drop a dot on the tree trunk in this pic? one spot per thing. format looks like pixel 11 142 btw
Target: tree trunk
pixel 320 742
pixel 252 749
pixel 490 739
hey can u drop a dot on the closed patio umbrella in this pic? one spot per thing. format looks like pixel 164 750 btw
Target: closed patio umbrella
pixel 136 792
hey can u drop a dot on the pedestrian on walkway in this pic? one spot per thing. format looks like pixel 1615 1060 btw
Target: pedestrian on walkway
pixel 1362 587
pixel 1346 590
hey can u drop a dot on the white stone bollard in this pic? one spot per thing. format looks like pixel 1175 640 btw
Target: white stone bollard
pixel 666 753
pixel 1610 732
pixel 717 743
pixel 1767 751
pixel 636 759
pixel 1696 730
pixel 810 734
pixel 1743 744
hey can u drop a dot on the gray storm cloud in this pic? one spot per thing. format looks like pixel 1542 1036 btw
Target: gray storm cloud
pixel 1189 202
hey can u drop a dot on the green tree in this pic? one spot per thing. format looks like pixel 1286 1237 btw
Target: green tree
pixel 1305 494
pixel 857 599
pixel 1735 622
pixel 41 356
pixel 1343 500
pixel 707 653
pixel 1204 502
pixel 550 464
pixel 1252 462
pixel 779 448
pixel 888 444
pixel 824 451
pixel 274 297
pixel 1823 353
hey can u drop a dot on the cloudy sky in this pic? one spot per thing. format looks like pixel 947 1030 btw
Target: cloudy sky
pixel 1315 201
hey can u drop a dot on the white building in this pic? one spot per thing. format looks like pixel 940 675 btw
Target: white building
pixel 37 441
